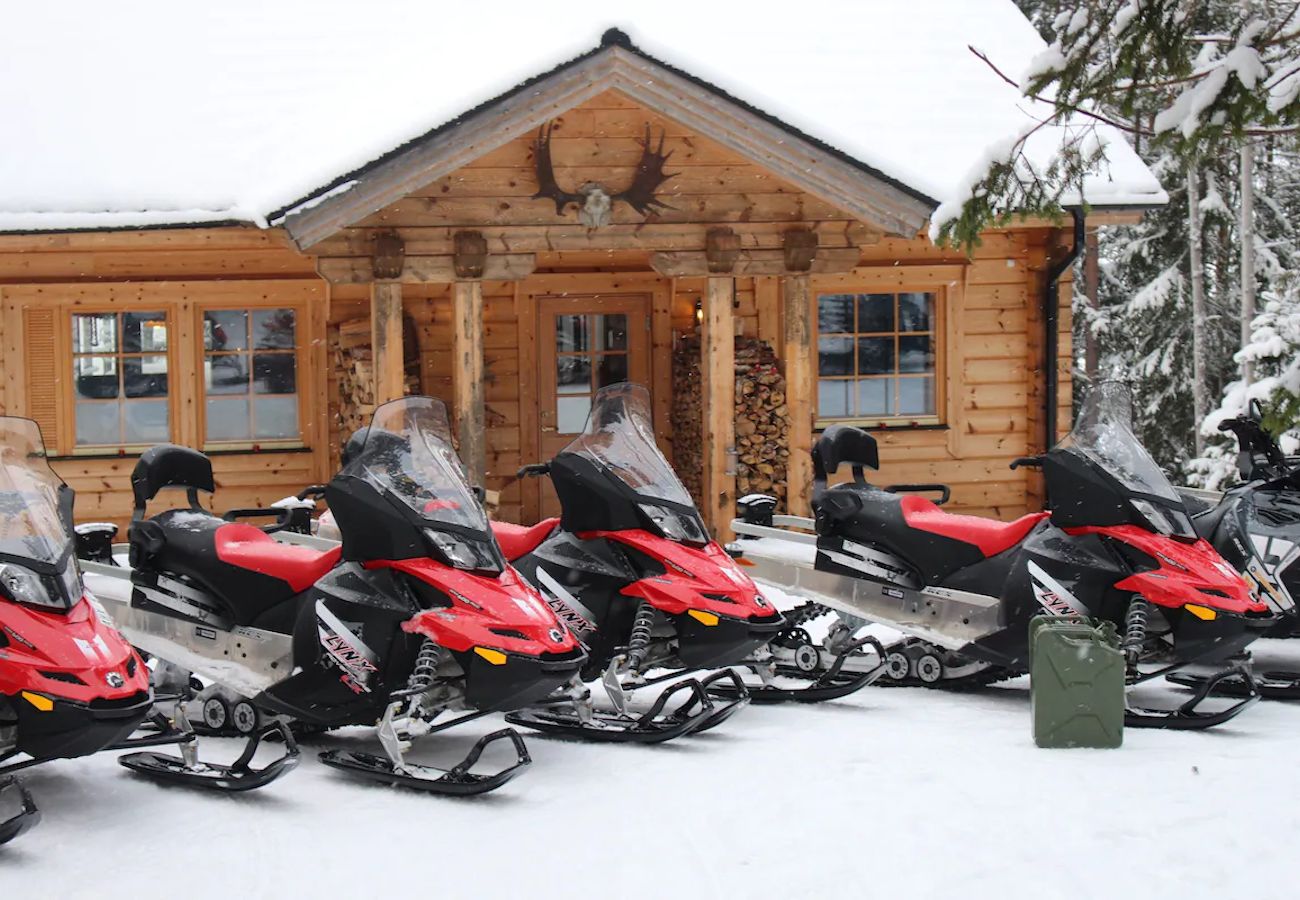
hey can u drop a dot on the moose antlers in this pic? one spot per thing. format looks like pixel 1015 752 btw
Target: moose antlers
pixel 594 200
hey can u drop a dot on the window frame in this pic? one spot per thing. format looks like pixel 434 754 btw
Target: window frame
pixel 302 392
pixel 939 337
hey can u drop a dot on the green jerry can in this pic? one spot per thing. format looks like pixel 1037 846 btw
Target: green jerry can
pixel 1076 672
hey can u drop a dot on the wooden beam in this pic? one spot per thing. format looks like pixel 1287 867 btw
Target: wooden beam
pixel 386 340
pixel 467 377
pixel 386 262
pixel 800 246
pixel 688 263
pixel 718 385
pixel 357 270
pixel 800 385
pixel 471 255
pixel 721 250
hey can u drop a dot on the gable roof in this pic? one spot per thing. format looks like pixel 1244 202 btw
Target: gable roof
pixel 201 113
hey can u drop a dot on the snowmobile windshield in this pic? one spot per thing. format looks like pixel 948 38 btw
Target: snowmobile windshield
pixel 408 456
pixel 36 559
pixel 620 438
pixel 1103 433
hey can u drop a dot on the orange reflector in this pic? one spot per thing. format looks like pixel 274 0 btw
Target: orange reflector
pixel 496 657
pixel 44 704
pixel 704 618
pixel 1201 612
pixel 742 561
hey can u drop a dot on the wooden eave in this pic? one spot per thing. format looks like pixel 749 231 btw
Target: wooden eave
pixel 819 170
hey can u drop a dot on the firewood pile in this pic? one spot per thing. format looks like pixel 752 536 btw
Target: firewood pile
pixel 762 419
pixel 355 367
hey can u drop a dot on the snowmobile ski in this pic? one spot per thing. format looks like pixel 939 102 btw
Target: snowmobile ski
pixel 187 769
pixel 1186 717
pixel 456 781
pixel 1272 685
pixel 27 817
pixel 569 718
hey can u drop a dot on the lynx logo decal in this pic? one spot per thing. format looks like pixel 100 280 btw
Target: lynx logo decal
pixel 1051 595
pixel 346 649
pixel 566 607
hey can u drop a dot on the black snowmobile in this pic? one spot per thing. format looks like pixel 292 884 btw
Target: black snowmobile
pixel 1117 545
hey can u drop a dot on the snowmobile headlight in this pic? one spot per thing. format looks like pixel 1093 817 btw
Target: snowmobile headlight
pixel 461 553
pixel 673 525
pixel 25 586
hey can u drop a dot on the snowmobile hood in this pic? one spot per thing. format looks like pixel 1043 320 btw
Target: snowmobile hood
pixel 705 579
pixel 72 655
pixel 1187 573
pixel 501 613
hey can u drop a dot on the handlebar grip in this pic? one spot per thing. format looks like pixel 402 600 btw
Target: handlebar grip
pixel 1032 462
pixel 312 492
pixel 534 470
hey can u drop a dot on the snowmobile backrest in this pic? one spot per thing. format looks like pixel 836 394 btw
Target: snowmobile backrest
pixel 844 444
pixel 170 466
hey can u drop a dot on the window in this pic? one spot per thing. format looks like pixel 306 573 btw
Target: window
pixel 119 368
pixel 876 356
pixel 250 375
pixel 586 344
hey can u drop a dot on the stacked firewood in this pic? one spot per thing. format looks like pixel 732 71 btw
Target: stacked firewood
pixel 762 419
pixel 354 366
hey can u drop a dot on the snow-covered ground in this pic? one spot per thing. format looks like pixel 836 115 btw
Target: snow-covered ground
pixel 891 792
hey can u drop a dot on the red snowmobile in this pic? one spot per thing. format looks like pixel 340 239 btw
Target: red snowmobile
pixel 630 567
pixel 414 615
pixel 70 684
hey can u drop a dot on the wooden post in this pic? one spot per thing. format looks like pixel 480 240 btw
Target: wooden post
pixel 467 376
pixel 800 384
pixel 386 340
pixel 718 385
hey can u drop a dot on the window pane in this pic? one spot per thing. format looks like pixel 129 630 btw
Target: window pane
pixel 96 377
pixel 610 370
pixel 571 333
pixel 915 312
pixel 573 375
pixel 145 421
pixel 835 313
pixel 833 399
pixel 276 418
pixel 875 356
pixel 145 376
pixel 611 332
pixel 274 373
pixel 916 396
pixel 94 333
pixel 835 356
pixel 225 329
pixel 273 329
pixel 915 354
pixel 227 374
pixel 875 313
pixel 876 397
pixel 228 419
pixel 571 414
pixel 97 423
pixel 143 332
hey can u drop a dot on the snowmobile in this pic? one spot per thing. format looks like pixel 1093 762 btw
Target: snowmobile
pixel 414 615
pixel 70 685
pixel 629 566
pixel 1255 525
pixel 1116 545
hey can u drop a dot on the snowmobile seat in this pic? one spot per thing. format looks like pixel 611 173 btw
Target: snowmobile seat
pixel 517 541
pixel 989 535
pixel 251 548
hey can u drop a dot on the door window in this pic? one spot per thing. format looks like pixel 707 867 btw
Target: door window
pixel 591 351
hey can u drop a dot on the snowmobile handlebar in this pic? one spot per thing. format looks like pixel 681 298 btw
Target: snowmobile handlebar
pixel 534 470
pixel 1032 462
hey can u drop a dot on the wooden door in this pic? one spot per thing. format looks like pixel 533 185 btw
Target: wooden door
pixel 583 344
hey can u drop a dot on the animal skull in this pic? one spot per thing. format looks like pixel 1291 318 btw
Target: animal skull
pixel 596 205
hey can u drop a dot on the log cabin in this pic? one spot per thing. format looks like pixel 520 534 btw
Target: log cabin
pixel 747 238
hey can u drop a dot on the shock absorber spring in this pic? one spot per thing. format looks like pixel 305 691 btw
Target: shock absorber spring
pixel 426 665
pixel 1135 629
pixel 638 644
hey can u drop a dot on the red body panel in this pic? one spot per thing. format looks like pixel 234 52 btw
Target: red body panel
pixel 76 643
pixel 989 535
pixel 1186 572
pixel 519 540
pixel 694 573
pixel 482 607
pixel 249 547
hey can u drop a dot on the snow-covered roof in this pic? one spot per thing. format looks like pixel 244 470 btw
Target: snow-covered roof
pixel 159 113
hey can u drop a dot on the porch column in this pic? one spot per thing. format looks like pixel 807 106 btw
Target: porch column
pixel 800 380
pixel 386 340
pixel 467 376
pixel 718 384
